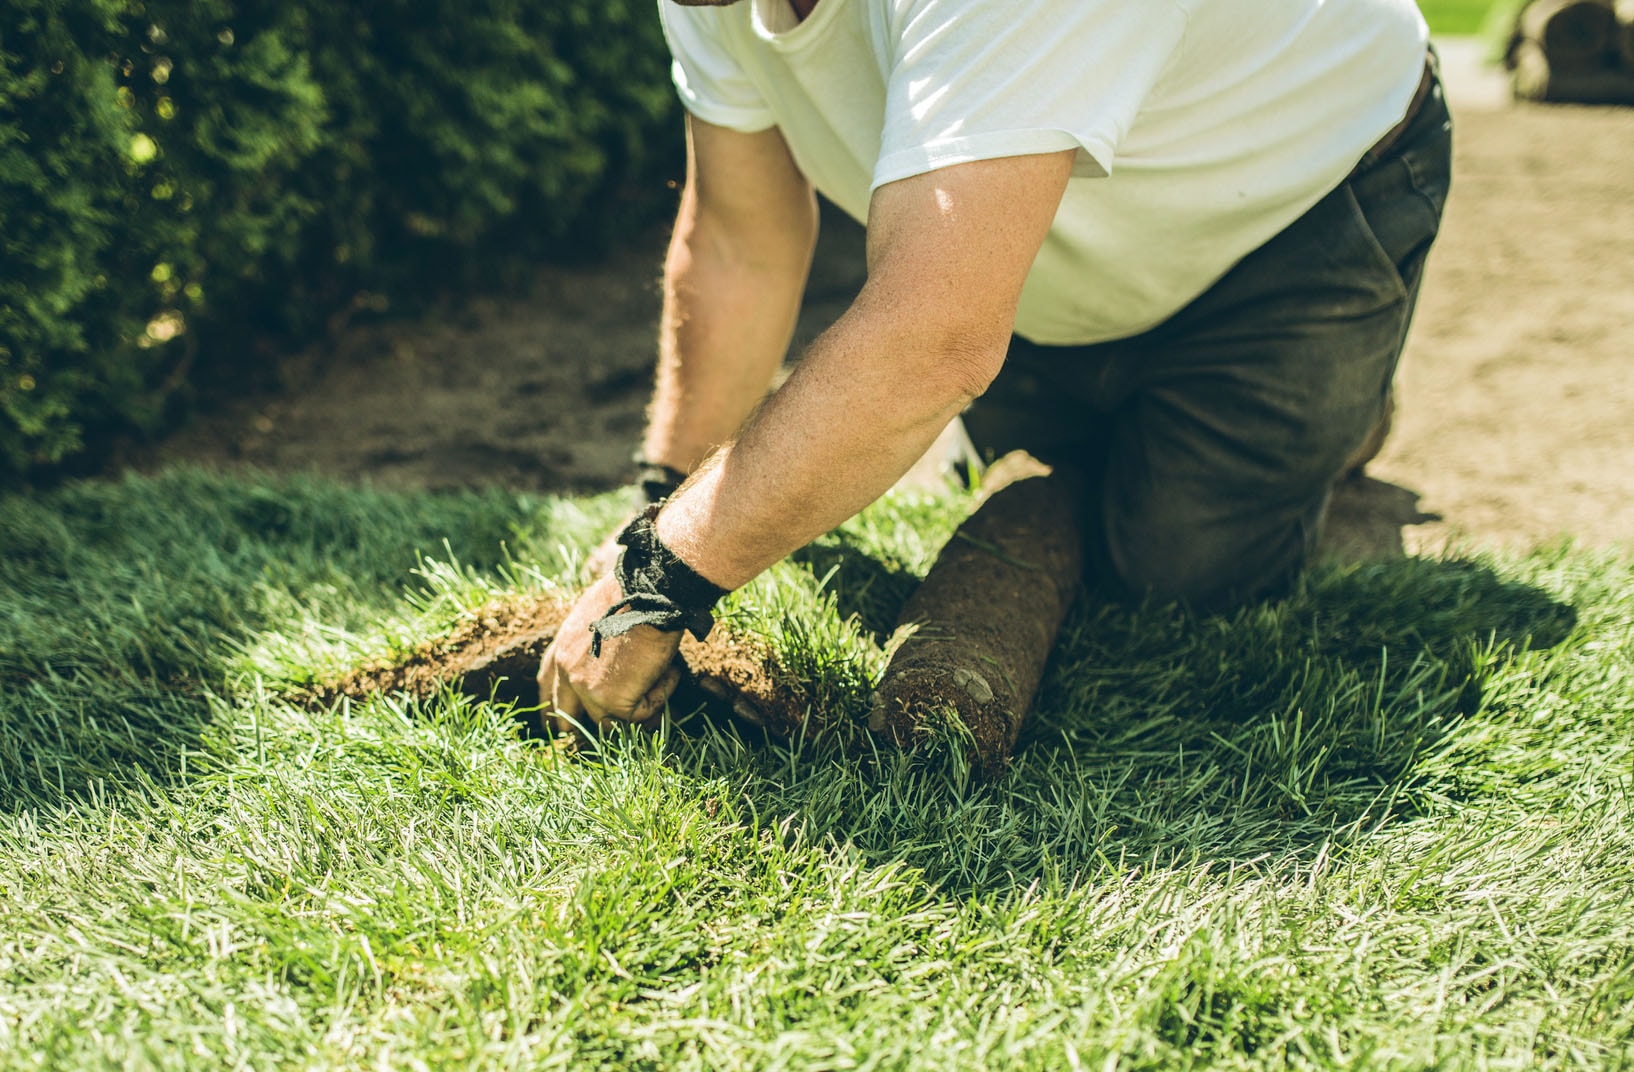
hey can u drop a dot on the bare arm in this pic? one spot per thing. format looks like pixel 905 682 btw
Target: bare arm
pixel 949 252
pixel 733 279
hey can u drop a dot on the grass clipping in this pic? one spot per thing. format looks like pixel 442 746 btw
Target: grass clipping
pixel 982 626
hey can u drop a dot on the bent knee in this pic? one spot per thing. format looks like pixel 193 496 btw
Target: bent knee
pixel 1209 568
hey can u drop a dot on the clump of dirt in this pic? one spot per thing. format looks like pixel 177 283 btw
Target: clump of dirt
pixel 987 615
pixel 742 672
pixel 494 655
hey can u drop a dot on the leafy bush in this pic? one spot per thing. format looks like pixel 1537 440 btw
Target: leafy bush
pixel 174 171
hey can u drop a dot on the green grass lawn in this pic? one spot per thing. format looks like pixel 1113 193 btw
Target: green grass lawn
pixel 1457 16
pixel 1384 823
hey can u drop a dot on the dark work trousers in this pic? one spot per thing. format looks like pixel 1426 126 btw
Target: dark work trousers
pixel 1212 441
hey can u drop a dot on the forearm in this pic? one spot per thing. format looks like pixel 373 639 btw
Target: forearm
pixel 865 402
pixel 728 316
pixel 949 253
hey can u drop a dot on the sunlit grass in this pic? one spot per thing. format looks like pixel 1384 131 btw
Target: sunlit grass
pixel 1384 823
pixel 1458 16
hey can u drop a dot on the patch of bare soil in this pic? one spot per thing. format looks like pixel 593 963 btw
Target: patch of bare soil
pixel 1516 395
pixel 544 391
pixel 494 653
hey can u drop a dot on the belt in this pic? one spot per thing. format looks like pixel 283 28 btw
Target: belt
pixel 1382 147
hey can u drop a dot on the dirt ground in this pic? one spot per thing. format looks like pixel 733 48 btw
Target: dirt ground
pixel 494 654
pixel 1516 399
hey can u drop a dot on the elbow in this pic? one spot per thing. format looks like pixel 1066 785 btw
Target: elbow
pixel 778 244
pixel 951 346
pixel 964 363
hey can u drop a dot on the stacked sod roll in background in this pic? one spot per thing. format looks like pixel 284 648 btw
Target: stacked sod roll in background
pixel 1578 51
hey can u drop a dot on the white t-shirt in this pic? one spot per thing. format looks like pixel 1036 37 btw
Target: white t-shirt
pixel 1203 127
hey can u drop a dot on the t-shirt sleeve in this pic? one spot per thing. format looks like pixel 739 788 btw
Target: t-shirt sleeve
pixel 711 84
pixel 980 80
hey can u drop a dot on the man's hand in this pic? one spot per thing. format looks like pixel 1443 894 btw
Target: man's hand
pixel 629 682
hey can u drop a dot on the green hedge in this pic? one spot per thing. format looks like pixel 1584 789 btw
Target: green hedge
pixel 175 174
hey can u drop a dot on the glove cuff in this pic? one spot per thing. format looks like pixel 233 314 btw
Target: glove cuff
pixel 658 588
pixel 657 482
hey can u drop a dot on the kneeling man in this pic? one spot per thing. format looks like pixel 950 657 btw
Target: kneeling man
pixel 1174 244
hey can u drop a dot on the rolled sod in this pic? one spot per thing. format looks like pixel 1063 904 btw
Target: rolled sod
pixel 986 616
pixel 1625 33
pixel 1576 36
pixel 1534 78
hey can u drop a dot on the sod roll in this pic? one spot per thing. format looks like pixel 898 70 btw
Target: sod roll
pixel 1534 78
pixel 1575 35
pixel 987 615
pixel 1625 33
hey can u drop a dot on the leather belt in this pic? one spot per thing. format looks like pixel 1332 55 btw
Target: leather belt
pixel 1382 147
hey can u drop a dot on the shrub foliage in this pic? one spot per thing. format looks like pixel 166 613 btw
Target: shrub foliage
pixel 178 169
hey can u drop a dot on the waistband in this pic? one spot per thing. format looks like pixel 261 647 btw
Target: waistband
pixel 1382 147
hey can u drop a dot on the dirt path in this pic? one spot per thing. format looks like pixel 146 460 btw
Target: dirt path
pixel 1516 420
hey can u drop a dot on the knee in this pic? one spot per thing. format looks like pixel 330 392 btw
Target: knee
pixel 1210 568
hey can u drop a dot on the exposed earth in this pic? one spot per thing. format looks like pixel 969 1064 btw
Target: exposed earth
pixel 1515 422
pixel 494 653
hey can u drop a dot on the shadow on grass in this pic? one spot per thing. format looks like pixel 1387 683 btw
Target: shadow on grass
pixel 121 604
pixel 1160 735
pixel 864 587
